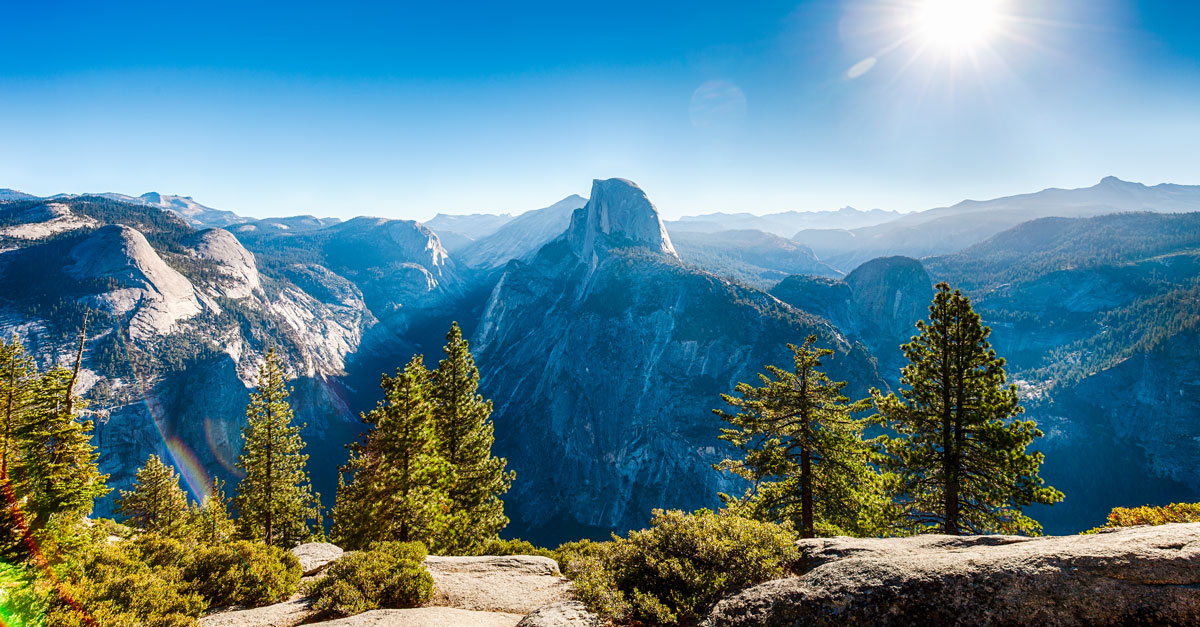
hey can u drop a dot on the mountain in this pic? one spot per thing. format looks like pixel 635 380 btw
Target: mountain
pixel 12 194
pixel 289 224
pixel 1099 319
pixel 522 237
pixel 877 304
pixel 753 257
pixel 457 231
pixel 783 224
pixel 950 229
pixel 178 320
pixel 604 355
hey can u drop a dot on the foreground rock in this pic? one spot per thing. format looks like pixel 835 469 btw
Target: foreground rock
pixel 315 556
pixel 569 614
pixel 287 614
pixel 427 617
pixel 517 584
pixel 1141 575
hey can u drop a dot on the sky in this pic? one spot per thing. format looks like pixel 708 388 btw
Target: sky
pixel 410 109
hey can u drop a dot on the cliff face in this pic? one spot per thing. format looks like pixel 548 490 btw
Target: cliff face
pixel 179 321
pixel 877 304
pixel 605 356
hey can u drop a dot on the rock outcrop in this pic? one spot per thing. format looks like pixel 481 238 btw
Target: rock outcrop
pixel 315 556
pixel 1140 575
pixel 617 213
pixel 516 584
pixel 567 614
pixel 142 285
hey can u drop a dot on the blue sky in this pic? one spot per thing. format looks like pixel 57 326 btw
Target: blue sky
pixel 350 108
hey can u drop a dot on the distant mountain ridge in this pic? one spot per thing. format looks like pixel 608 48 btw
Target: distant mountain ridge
pixel 950 229
pixel 784 224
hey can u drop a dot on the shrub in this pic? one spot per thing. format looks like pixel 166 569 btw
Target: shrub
pixel 516 546
pixel 386 575
pixel 568 552
pixel 244 573
pixel 1151 515
pixel 118 585
pixel 669 574
pixel 23 598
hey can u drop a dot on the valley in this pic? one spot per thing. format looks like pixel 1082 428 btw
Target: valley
pixel 605 335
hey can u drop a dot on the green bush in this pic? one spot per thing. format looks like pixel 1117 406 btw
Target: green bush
pixel 568 552
pixel 119 585
pixel 244 573
pixel 386 575
pixel 671 573
pixel 496 546
pixel 1151 515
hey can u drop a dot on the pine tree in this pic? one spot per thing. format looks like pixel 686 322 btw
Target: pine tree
pixel 59 477
pixel 804 450
pixel 16 378
pixel 465 435
pixel 275 500
pixel 156 503
pixel 397 489
pixel 962 458
pixel 209 519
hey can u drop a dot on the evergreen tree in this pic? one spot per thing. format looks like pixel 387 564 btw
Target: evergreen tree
pixel 16 378
pixel 397 489
pixel 275 500
pixel 465 434
pixel 962 458
pixel 804 450
pixel 59 477
pixel 156 503
pixel 209 518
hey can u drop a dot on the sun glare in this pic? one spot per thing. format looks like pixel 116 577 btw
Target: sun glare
pixel 957 24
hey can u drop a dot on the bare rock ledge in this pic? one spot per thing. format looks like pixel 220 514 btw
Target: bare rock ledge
pixel 1139 575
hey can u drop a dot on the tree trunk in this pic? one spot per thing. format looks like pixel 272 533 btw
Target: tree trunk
pixel 268 520
pixel 806 498
pixel 950 463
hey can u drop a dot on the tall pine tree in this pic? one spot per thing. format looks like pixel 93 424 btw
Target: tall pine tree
pixel 275 500
pixel 156 503
pixel 465 434
pixel 59 477
pixel 804 450
pixel 962 456
pixel 398 480
pixel 16 379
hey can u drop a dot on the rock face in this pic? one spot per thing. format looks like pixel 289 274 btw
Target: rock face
pixel 427 617
pixel 1141 575
pixel 516 584
pixel 235 265
pixel 315 556
pixel 604 360
pixel 155 295
pixel 618 212
pixel 569 614
pixel 878 304
pixel 287 614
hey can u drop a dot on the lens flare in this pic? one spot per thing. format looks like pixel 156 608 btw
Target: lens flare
pixel 957 24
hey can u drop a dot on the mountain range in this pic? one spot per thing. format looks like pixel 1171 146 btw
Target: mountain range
pixel 605 335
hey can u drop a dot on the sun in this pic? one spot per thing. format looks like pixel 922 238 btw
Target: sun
pixel 957 25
